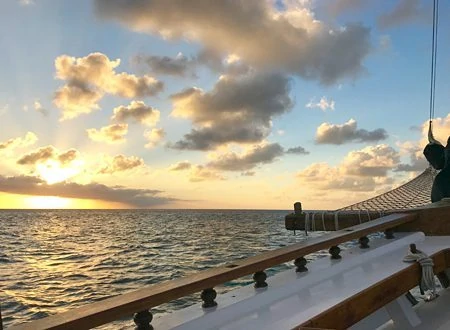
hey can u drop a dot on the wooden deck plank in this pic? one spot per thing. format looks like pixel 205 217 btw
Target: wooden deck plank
pixel 111 309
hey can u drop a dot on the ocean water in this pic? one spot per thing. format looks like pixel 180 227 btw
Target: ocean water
pixel 55 260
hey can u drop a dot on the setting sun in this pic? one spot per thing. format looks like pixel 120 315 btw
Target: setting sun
pixel 52 171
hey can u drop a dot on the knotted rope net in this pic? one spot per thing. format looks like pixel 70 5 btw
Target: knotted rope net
pixel 414 193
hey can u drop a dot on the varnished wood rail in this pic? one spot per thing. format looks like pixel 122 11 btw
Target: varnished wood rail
pixel 125 305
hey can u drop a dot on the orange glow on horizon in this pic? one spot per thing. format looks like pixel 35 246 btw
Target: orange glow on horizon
pixel 13 201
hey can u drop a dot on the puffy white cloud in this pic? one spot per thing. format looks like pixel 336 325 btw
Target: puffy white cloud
pixel 253 30
pixel 138 111
pixel 361 170
pixel 339 134
pixel 20 142
pixel 371 161
pixel 237 110
pixel 44 154
pixel 110 134
pixel 121 163
pixel 89 78
pixel 261 154
pixel 75 99
pixel 324 104
pixel 154 137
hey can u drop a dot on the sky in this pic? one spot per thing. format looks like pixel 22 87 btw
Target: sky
pixel 244 104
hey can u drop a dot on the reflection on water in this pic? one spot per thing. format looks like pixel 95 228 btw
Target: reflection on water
pixel 51 261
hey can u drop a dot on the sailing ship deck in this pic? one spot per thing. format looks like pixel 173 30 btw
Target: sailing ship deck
pixel 295 298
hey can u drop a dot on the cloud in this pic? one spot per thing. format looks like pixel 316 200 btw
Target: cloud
pixel 231 65
pixel 371 161
pixel 297 151
pixel 200 173
pixel 121 163
pixel 76 98
pixel 44 154
pixel 231 161
pixel 28 185
pixel 339 134
pixel 178 66
pixel 110 134
pixel 361 170
pixel 337 7
pixel 181 166
pixel 324 104
pixel 89 78
pixel 154 137
pixel 20 142
pixel 417 161
pixel 441 130
pixel 138 111
pixel 248 173
pixel 197 173
pixel 38 107
pixel 255 31
pixel 406 11
pixel 237 110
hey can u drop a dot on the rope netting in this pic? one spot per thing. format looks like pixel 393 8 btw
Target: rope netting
pixel 412 194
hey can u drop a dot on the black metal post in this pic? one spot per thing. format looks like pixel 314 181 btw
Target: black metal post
pixel 208 296
pixel 364 242
pixel 300 263
pixel 142 320
pixel 260 280
pixel 334 251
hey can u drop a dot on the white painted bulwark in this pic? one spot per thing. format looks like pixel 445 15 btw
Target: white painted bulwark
pixel 293 298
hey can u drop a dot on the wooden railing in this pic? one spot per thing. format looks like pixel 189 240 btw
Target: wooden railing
pixel 141 301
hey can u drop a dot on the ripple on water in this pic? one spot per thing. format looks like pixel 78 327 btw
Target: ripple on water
pixel 68 258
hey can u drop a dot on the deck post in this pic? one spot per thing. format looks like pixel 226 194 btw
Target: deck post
pixel 208 296
pixel 389 233
pixel 334 251
pixel 300 263
pixel 364 242
pixel 142 320
pixel 260 280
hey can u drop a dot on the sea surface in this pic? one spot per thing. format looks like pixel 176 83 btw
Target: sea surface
pixel 55 260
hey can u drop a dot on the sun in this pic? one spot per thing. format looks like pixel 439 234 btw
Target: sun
pixel 52 171
pixel 47 202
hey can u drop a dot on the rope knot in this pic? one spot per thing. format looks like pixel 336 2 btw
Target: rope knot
pixel 426 263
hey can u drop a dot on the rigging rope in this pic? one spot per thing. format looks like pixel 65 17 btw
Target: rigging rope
pixel 434 43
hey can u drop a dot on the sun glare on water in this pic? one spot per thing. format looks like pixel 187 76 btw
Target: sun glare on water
pixel 47 202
